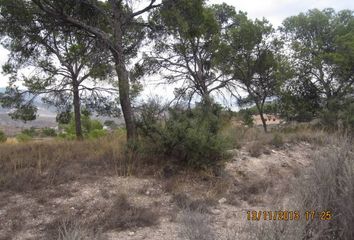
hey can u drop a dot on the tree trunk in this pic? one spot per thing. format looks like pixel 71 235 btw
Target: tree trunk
pixel 77 112
pixel 264 122
pixel 124 97
pixel 123 78
pixel 260 111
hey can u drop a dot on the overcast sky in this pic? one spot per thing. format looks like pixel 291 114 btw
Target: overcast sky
pixel 277 10
pixel 273 10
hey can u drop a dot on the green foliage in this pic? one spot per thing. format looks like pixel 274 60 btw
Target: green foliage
pixel 90 128
pixel 97 133
pixel 48 132
pixel 339 115
pixel 347 116
pixel 32 132
pixel 23 137
pixel 63 117
pixel 190 136
pixel 321 43
pixel 254 60
pixel 189 46
pixel 247 117
pixel 3 137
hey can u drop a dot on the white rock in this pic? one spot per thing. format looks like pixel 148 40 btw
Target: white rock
pixel 222 200
pixel 131 233
pixel 216 211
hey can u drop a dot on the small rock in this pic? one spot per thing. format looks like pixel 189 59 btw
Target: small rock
pixel 147 192
pixel 131 233
pixel 222 200
pixel 216 211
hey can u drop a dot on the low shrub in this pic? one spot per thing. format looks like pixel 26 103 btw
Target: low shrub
pixel 124 215
pixel 91 128
pixel 196 226
pixel 185 203
pixel 255 149
pixel 97 133
pixel 48 132
pixel 3 137
pixel 32 132
pixel 247 117
pixel 192 136
pixel 277 140
pixel 22 137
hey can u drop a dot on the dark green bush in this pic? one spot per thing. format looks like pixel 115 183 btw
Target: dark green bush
pixel 48 132
pixel 190 136
pixel 3 137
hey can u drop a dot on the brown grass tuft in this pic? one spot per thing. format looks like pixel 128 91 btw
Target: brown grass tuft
pixel 124 215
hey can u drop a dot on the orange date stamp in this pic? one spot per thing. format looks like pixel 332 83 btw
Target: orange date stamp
pixel 285 215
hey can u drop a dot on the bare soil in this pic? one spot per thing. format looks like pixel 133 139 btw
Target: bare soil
pixel 247 183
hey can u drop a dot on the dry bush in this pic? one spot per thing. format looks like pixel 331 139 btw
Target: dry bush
pixel 234 136
pixel 70 230
pixel 196 225
pixel 327 185
pixel 271 230
pixel 124 215
pixel 186 203
pixel 255 148
pixel 277 140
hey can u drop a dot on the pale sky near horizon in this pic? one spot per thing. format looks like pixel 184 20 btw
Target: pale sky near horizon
pixel 273 10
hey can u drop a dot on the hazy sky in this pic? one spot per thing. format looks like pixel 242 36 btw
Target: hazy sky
pixel 274 10
pixel 277 10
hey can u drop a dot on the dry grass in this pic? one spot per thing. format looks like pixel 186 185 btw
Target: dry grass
pixel 257 142
pixel 327 185
pixel 203 187
pixel 34 165
pixel 70 230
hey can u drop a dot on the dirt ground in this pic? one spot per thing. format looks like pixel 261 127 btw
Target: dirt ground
pixel 255 184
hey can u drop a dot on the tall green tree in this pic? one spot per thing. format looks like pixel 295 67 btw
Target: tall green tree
pixel 322 52
pixel 254 62
pixel 68 65
pixel 117 25
pixel 188 46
